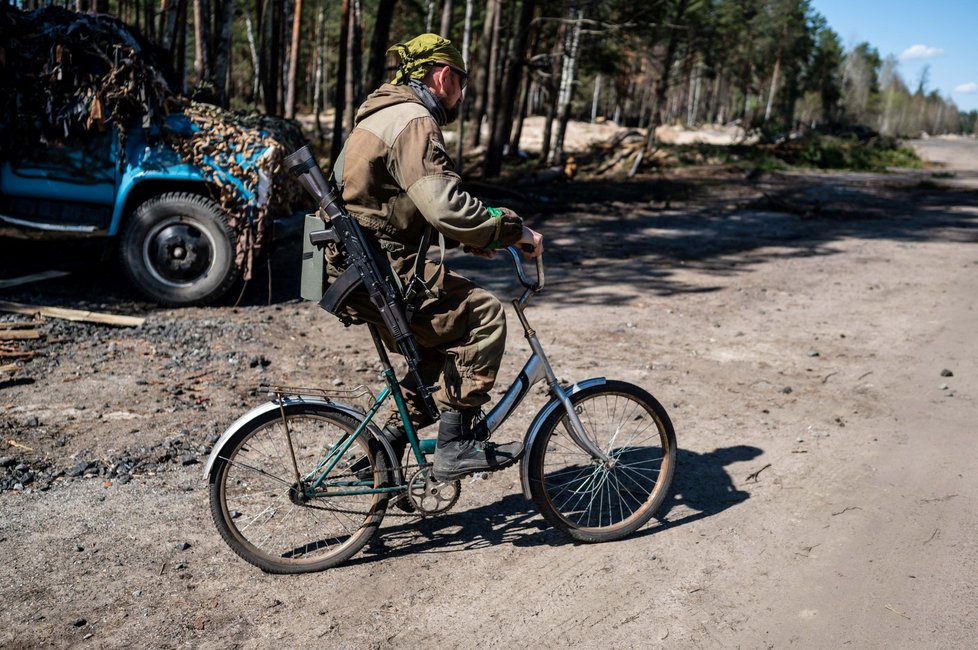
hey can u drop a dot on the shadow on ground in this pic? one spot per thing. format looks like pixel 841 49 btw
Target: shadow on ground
pixel 635 236
pixel 702 487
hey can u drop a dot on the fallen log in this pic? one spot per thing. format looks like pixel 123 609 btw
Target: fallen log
pixel 72 314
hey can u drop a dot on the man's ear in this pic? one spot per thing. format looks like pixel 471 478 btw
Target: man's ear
pixel 440 77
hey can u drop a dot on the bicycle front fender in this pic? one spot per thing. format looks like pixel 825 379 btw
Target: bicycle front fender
pixel 537 424
pixel 286 403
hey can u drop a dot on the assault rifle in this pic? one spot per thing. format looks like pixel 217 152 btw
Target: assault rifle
pixel 365 266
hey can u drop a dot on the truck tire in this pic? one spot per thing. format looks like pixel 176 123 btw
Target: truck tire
pixel 178 250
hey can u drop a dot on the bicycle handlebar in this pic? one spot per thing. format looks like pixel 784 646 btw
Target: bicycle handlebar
pixel 529 285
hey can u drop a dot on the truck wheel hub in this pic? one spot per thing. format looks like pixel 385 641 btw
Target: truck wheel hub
pixel 179 252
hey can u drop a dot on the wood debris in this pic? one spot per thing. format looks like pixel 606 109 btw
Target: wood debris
pixel 19 335
pixel 753 476
pixel 14 325
pixel 72 314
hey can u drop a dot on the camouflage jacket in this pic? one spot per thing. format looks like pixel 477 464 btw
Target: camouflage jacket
pixel 397 176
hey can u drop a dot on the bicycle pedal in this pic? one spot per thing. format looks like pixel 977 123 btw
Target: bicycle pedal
pixel 479 476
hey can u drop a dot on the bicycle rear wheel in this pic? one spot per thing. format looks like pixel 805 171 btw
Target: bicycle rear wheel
pixel 594 501
pixel 260 499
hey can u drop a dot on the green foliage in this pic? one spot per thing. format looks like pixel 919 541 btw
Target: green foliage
pixel 814 150
pixel 824 151
pixel 968 122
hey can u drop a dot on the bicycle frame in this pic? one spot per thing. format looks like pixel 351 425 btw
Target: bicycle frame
pixel 537 368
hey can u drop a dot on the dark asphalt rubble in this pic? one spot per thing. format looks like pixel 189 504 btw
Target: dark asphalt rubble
pixel 40 475
pixel 176 350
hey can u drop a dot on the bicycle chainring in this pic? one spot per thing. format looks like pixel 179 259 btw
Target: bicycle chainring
pixel 431 497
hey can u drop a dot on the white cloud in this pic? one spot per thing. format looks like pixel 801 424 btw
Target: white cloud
pixel 970 87
pixel 920 52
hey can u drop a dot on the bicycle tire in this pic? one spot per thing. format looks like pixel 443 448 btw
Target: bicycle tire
pixel 260 513
pixel 590 501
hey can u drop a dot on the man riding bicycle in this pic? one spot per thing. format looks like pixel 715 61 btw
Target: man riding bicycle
pixel 401 184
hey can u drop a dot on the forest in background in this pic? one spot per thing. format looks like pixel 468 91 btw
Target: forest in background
pixel 774 67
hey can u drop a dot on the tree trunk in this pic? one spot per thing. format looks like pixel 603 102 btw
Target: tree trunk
pixel 170 24
pixel 514 143
pixel 774 75
pixel 318 77
pixel 353 59
pixel 492 90
pixel 503 123
pixel 773 89
pixel 222 49
pixel 377 63
pixel 596 95
pixel 446 19
pixel 181 42
pixel 256 89
pixel 567 80
pixel 466 41
pixel 552 89
pixel 150 26
pixel 202 39
pixel 548 126
pixel 429 18
pixel 662 88
pixel 482 73
pixel 341 70
pixel 272 50
pixel 293 60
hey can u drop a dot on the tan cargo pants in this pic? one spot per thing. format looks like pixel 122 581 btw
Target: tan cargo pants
pixel 462 335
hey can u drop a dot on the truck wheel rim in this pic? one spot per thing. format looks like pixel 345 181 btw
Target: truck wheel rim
pixel 178 252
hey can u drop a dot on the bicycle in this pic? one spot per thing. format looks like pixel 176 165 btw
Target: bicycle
pixel 302 482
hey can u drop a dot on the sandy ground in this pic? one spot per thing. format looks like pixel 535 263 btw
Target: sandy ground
pixel 825 494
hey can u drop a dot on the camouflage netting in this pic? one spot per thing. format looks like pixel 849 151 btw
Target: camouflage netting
pixel 222 138
pixel 64 73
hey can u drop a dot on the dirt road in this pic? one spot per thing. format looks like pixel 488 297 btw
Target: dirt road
pixel 812 336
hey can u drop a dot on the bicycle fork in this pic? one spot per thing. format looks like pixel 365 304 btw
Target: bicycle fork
pixel 536 369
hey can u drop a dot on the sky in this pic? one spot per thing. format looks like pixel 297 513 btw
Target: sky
pixel 935 33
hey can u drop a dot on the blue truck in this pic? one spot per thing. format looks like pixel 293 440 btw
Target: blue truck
pixel 161 215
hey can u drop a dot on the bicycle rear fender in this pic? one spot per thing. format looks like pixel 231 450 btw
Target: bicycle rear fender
pixel 545 412
pixel 264 409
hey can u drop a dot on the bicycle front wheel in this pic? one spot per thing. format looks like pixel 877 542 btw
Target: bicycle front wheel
pixel 262 498
pixel 592 500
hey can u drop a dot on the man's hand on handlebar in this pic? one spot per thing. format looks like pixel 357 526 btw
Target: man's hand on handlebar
pixel 530 243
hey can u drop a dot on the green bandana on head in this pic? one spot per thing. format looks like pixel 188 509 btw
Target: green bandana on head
pixel 417 55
